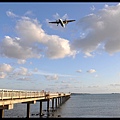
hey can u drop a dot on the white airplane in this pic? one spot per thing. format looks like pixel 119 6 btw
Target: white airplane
pixel 62 22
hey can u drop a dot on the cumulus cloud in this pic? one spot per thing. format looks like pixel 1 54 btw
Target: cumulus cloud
pixel 52 77
pixel 33 42
pixel 22 71
pixel 12 48
pixel 57 47
pixel 29 30
pixel 5 68
pixel 100 29
pixel 91 71
pixel 20 61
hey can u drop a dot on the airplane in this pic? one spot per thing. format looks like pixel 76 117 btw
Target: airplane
pixel 62 22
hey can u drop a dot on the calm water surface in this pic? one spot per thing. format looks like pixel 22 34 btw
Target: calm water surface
pixel 78 106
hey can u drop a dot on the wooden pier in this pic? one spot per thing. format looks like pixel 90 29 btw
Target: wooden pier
pixel 10 97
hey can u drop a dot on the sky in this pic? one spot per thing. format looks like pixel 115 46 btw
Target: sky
pixel 83 57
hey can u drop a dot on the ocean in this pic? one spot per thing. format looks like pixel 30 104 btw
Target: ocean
pixel 77 106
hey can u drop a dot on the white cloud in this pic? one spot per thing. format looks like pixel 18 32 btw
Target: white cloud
pixel 100 28
pixel 52 77
pixel 30 31
pixel 2 75
pixel 45 73
pixel 22 71
pixel 106 6
pixel 57 47
pixel 91 71
pixel 5 68
pixel 11 14
pixel 29 12
pixel 21 61
pixel 57 16
pixel 87 54
pixel 33 41
pixel 13 48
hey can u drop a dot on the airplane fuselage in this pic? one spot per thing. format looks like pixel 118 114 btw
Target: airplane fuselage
pixel 61 22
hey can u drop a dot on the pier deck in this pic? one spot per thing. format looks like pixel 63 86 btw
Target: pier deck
pixel 10 97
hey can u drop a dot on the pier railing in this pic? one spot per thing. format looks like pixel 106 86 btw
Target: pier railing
pixel 17 94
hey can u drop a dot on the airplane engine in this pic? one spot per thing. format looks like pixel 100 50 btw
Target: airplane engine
pixel 65 22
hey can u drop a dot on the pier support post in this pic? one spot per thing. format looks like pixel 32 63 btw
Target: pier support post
pixel 47 104
pixel 53 104
pixel 56 103
pixel 60 100
pixel 28 107
pixel 10 106
pixel 1 113
pixel 28 110
pixel 40 107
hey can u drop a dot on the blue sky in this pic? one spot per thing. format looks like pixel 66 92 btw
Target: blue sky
pixel 83 57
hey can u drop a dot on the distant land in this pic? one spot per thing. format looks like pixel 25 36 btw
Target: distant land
pixel 80 93
pixel 91 93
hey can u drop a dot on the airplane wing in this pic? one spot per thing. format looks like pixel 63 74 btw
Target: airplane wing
pixel 66 21
pixel 54 22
